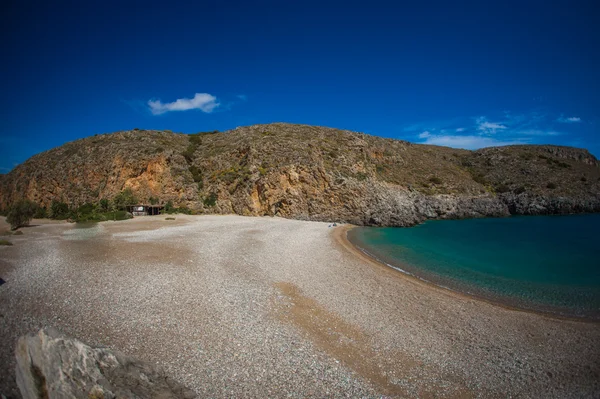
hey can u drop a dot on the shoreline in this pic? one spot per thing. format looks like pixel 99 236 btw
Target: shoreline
pixel 341 237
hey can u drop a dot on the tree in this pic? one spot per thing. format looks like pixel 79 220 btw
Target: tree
pixel 125 198
pixel 40 212
pixel 105 205
pixel 21 213
pixel 59 210
pixel 86 212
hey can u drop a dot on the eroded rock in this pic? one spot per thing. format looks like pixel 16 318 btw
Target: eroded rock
pixel 51 365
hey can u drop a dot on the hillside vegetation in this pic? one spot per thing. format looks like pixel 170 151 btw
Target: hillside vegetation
pixel 309 172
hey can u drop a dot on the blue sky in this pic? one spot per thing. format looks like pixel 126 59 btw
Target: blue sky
pixel 463 74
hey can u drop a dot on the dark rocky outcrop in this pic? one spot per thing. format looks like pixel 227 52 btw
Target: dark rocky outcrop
pixel 50 365
pixel 312 173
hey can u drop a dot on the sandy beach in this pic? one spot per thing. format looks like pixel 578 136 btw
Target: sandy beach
pixel 236 306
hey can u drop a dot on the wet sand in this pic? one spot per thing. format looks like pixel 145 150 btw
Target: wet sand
pixel 252 307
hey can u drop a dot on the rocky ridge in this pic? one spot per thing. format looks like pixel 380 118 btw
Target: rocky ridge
pixel 311 173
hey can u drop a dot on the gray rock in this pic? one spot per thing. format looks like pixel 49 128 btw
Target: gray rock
pixel 50 365
pixel 525 204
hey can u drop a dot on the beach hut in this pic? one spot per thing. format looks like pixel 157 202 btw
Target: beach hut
pixel 145 210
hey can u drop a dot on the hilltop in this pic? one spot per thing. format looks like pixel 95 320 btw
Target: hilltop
pixel 311 173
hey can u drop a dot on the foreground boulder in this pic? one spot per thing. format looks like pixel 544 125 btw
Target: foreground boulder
pixel 50 365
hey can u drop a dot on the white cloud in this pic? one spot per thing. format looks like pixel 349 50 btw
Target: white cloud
pixel 467 142
pixel 572 119
pixel 488 127
pixel 504 129
pixel 242 97
pixel 202 101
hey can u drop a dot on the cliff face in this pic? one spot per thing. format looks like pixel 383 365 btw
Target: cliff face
pixel 99 167
pixel 310 172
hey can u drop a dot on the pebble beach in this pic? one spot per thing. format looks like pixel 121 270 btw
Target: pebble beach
pixel 257 307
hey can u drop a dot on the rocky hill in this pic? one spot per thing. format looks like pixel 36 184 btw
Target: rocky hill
pixel 309 172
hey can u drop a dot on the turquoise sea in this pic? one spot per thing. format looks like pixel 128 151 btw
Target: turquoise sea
pixel 543 263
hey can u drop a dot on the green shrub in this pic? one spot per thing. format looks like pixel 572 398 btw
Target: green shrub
pixel 170 209
pixel 5 242
pixel 196 173
pixel 228 176
pixel 116 215
pixel 195 139
pixel 124 198
pixel 526 156
pixel 119 215
pixel 188 154
pixel 195 142
pixel 435 180
pixel 554 162
pixel 503 188
pixel 169 218
pixel 519 190
pixel 361 176
pixel 87 213
pixel 59 210
pixel 21 213
pixel 104 205
pixel 86 208
pixel 153 200
pixel 479 178
pixel 211 200
pixel 40 212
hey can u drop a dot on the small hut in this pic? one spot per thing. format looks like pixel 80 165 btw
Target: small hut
pixel 145 210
